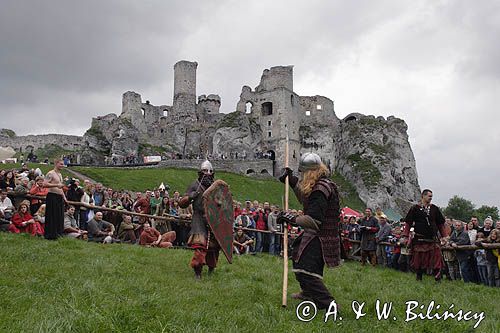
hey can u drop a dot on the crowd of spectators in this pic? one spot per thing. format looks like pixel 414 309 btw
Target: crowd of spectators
pixel 371 237
pixel 379 242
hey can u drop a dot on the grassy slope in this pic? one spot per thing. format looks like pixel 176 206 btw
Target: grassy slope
pixel 179 179
pixel 242 187
pixel 70 285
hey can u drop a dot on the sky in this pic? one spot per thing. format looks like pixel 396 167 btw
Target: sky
pixel 434 64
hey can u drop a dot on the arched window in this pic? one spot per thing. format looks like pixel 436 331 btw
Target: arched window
pixel 165 113
pixel 248 108
pixel 143 111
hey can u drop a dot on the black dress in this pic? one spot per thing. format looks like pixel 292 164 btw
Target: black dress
pixel 54 216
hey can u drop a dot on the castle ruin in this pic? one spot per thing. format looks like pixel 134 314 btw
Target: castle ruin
pixel 373 153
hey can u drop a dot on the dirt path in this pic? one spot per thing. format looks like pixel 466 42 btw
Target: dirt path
pixel 80 176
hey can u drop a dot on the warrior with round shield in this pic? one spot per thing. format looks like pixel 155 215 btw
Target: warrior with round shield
pixel 211 223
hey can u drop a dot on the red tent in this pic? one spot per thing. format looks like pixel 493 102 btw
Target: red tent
pixel 346 211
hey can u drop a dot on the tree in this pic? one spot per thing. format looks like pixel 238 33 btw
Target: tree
pixel 485 211
pixel 459 208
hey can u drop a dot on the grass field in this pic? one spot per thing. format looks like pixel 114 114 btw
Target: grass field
pixel 73 286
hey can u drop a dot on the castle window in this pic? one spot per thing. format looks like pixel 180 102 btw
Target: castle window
pixel 161 130
pixel 269 123
pixel 143 112
pixel 248 108
pixel 319 107
pixel 165 113
pixel 269 134
pixel 308 113
pixel 267 109
pixel 292 101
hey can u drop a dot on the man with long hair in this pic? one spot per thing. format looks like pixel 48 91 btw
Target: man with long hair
pixel 319 243
pixel 201 240
pixel 426 220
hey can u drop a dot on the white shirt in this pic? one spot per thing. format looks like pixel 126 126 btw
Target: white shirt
pixel 5 204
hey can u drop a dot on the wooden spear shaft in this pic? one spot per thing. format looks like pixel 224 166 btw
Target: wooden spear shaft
pixel 285 235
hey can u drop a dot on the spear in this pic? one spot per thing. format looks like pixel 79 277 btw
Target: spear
pixel 285 234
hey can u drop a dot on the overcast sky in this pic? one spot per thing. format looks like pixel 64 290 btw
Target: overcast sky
pixel 435 64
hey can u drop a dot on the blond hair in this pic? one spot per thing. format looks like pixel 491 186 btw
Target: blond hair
pixel 310 178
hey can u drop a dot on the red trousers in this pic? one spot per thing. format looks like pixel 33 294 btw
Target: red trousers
pixel 202 256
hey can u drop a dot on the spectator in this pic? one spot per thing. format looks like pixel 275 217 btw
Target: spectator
pixel 127 202
pixel 243 220
pixel 84 211
pixel 143 206
pixel 71 226
pixel 20 191
pixel 260 219
pixel 155 200
pixel 460 237
pixel 237 209
pixel 273 226
pixel 127 230
pixel 491 257
pixel 99 195
pixel 7 182
pixel 475 225
pixel 99 230
pixel 382 236
pixel 38 190
pixel 40 216
pixel 24 222
pixel 472 231
pixel 241 242
pixel 353 233
pixel 487 227
pixel 6 206
pixel 481 261
pixel 163 209
pixel 75 193
pixel 151 237
pixel 396 249
pixel 369 228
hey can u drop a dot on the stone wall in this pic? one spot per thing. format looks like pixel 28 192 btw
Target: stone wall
pixel 247 167
pixel 27 142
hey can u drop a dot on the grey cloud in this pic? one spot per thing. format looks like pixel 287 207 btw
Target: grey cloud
pixel 435 64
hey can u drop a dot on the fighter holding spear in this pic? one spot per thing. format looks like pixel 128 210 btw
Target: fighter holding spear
pixel 319 243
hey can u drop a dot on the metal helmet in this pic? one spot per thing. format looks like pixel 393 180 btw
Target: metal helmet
pixel 207 166
pixel 309 161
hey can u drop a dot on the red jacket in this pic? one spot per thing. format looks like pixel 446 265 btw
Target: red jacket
pixel 260 219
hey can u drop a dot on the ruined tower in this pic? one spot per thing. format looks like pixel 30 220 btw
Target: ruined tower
pixel 185 89
pixel 132 110
pixel 276 108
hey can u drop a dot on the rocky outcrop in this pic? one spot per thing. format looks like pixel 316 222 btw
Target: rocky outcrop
pixel 374 154
pixel 237 134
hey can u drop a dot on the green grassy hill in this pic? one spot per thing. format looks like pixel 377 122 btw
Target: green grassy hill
pixel 73 286
pixel 242 187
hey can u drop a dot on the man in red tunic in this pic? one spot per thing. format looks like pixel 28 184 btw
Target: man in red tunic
pixel 152 237
pixel 426 220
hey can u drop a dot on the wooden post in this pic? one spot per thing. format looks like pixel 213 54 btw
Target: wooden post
pixel 285 235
